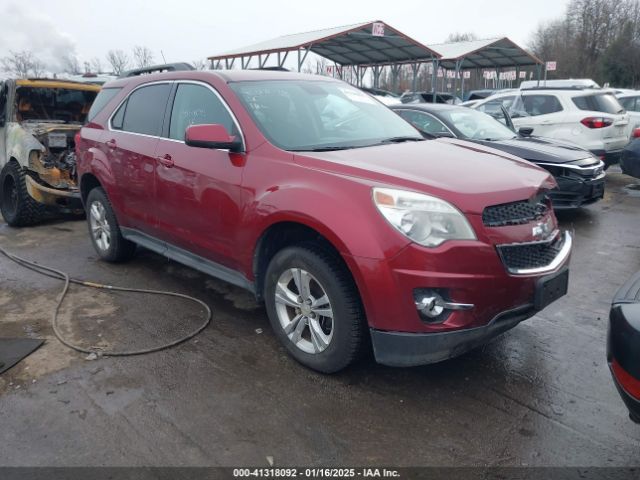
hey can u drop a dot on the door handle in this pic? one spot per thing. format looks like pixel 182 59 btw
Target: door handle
pixel 111 144
pixel 166 160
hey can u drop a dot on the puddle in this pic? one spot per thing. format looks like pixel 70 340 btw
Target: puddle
pixel 633 189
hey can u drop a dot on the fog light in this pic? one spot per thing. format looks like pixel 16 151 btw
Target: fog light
pixel 433 306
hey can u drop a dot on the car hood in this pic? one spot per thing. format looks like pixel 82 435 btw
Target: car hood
pixel 538 149
pixel 468 175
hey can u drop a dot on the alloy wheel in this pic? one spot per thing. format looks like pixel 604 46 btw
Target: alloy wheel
pixel 304 310
pixel 100 226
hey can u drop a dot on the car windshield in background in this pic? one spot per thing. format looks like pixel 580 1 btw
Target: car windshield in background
pixel 476 125
pixel 53 104
pixel 602 102
pixel 318 115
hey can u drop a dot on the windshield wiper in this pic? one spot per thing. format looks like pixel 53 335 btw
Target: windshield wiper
pixel 329 148
pixel 402 139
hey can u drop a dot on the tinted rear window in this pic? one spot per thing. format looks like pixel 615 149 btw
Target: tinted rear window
pixel 104 97
pixel 145 109
pixel 603 102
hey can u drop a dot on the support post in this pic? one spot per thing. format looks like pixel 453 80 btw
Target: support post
pixel 434 77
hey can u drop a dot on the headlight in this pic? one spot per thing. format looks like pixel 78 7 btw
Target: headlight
pixel 426 220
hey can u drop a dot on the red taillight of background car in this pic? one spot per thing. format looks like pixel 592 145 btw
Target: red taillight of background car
pixel 636 133
pixel 630 384
pixel 596 122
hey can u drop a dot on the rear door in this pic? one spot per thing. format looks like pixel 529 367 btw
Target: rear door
pixel 198 193
pixel 130 145
pixel 544 113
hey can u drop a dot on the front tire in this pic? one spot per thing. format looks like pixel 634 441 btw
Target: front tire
pixel 104 230
pixel 17 207
pixel 314 307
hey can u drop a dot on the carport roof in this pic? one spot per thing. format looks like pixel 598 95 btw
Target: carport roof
pixel 347 45
pixel 488 53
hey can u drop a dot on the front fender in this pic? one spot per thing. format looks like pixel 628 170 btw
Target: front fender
pixel 20 143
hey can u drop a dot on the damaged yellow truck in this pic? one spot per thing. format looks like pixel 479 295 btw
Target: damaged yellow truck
pixel 38 122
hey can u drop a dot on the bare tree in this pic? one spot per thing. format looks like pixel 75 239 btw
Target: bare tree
pixel 70 64
pixel 142 56
pixel 118 60
pixel 96 65
pixel 461 37
pixel 22 64
pixel 200 64
pixel 599 39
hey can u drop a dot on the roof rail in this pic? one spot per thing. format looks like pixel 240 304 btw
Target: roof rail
pixel 167 67
pixel 573 87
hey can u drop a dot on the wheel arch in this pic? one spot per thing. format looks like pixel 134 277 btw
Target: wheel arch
pixel 287 233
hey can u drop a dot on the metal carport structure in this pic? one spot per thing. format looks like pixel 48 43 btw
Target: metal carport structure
pixel 359 46
pixel 377 45
pixel 492 53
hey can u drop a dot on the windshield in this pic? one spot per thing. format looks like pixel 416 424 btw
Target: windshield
pixel 320 115
pixel 53 104
pixel 474 125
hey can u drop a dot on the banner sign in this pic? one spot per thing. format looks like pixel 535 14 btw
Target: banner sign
pixel 378 29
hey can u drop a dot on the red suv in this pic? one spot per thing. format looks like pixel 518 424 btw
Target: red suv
pixel 326 205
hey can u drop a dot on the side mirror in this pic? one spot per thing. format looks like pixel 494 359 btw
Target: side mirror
pixel 525 131
pixel 636 133
pixel 211 136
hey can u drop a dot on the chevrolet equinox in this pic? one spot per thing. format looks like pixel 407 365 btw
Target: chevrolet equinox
pixel 328 206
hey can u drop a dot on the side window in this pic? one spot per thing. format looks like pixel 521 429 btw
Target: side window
pixel 197 105
pixel 630 104
pixel 145 109
pixel 536 105
pixel 425 122
pixel 116 120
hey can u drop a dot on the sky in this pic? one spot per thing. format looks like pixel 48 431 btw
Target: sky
pixel 188 30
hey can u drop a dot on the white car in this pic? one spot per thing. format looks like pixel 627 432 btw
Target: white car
pixel 630 100
pixel 590 118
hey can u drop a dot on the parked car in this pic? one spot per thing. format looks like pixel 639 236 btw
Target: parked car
pixel 38 122
pixel 580 175
pixel 631 103
pixel 630 161
pixel 623 344
pixel 592 119
pixel 386 97
pixel 326 205
pixel 427 97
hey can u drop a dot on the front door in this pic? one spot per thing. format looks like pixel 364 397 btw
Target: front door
pixel 198 194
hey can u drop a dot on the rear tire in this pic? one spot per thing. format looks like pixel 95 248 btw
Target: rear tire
pixel 104 230
pixel 314 307
pixel 17 207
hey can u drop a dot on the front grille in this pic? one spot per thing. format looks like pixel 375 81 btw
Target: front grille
pixel 515 213
pixel 531 255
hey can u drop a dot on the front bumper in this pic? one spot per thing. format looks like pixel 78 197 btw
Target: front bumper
pixel 65 199
pixel 574 192
pixel 398 349
pixel 469 273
